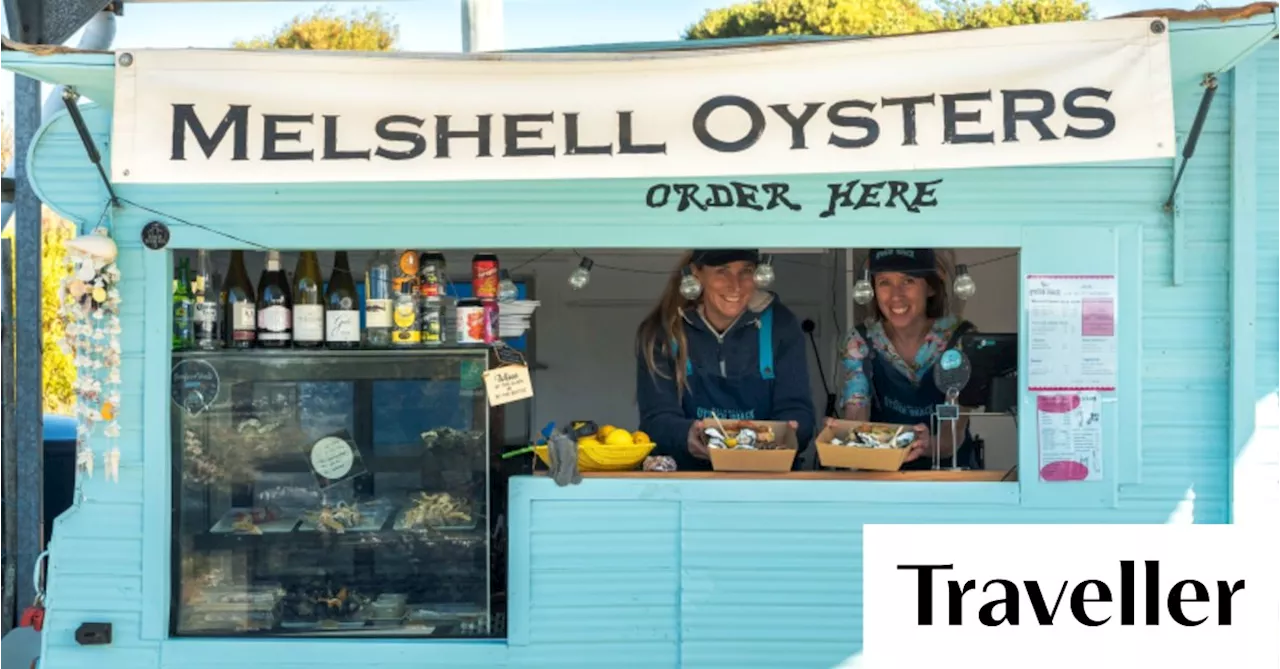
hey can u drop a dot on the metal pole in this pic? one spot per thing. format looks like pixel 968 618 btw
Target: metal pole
pixel 6 426
pixel 28 415
pixel 481 25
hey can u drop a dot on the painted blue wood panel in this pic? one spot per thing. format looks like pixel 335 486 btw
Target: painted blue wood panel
pixel 661 574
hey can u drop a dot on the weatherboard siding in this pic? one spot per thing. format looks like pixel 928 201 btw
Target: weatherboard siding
pixel 697 574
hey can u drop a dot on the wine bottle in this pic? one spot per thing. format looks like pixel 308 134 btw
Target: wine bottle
pixel 308 303
pixel 377 301
pixel 342 306
pixel 208 333
pixel 182 335
pixel 275 305
pixel 242 309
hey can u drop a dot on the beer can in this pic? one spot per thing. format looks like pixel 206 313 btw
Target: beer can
pixel 484 276
pixel 431 275
pixel 431 321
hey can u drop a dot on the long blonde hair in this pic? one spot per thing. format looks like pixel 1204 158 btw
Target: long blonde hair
pixel 663 326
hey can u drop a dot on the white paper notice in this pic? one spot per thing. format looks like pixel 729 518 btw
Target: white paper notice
pixel 1069 429
pixel 1071 332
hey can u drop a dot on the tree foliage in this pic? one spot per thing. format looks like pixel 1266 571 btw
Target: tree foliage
pixel 324 30
pixel 59 371
pixel 876 17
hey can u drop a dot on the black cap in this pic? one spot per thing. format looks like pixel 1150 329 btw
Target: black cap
pixel 917 262
pixel 718 257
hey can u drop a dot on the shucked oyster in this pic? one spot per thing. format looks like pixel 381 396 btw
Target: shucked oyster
pixel 746 437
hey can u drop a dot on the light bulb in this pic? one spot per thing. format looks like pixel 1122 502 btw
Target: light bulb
pixel 764 273
pixel 582 275
pixel 964 286
pixel 689 286
pixel 506 287
pixel 862 290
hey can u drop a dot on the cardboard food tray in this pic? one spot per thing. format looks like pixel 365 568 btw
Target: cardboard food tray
pixel 751 460
pixel 857 457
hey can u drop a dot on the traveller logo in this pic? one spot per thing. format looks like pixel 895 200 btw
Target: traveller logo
pixel 1069 596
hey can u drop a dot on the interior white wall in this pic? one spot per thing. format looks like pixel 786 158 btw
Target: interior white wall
pixel 583 341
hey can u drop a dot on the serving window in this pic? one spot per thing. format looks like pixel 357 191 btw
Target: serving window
pixel 340 471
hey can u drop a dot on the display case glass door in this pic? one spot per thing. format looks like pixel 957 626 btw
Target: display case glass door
pixel 331 493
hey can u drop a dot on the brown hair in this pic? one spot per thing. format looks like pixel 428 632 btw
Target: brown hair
pixel 934 308
pixel 663 326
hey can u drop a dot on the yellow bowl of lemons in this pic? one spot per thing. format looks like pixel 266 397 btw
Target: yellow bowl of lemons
pixel 612 449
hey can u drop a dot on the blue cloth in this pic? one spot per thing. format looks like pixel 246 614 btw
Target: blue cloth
pixel 895 399
pixel 728 378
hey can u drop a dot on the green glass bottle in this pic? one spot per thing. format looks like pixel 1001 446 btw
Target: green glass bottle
pixel 183 332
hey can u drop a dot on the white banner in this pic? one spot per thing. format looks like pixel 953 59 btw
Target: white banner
pixel 1031 95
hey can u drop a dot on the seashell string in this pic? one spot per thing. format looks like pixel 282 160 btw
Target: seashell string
pixel 91 306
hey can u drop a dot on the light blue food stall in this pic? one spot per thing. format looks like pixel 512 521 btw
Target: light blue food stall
pixel 636 568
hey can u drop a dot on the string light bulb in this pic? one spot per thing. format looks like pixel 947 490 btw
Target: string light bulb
pixel 690 288
pixel 964 287
pixel 507 290
pixel 581 276
pixel 764 272
pixel 862 290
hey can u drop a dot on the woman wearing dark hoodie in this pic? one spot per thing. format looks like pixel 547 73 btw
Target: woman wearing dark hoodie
pixel 734 351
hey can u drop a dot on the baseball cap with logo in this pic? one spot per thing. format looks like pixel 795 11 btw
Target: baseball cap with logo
pixel 917 262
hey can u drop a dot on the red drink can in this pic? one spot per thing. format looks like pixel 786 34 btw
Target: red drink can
pixel 484 276
pixel 490 321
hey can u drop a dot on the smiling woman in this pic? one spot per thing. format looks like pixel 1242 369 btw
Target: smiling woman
pixel 718 346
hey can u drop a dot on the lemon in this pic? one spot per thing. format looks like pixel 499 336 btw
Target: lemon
pixel 618 438
pixel 605 431
pixel 640 437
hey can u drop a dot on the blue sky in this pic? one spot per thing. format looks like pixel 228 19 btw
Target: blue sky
pixel 436 25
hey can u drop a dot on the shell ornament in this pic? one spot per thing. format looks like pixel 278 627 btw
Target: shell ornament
pixel 90 305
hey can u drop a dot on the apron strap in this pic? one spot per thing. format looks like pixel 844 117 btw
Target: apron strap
pixel 766 344
pixel 675 353
pixel 868 363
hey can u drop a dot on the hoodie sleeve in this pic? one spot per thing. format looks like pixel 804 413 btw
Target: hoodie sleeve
pixel 792 397
pixel 661 416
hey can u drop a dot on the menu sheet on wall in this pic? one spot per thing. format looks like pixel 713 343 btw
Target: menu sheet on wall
pixel 1071 332
pixel 1069 434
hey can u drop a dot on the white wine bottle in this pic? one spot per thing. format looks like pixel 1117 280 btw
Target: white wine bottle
pixel 342 306
pixel 275 305
pixel 308 303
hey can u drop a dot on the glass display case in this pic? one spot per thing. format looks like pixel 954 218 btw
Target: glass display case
pixel 323 493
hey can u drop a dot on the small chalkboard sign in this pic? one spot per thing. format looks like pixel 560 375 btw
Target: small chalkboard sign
pixel 335 458
pixel 193 385
pixel 155 235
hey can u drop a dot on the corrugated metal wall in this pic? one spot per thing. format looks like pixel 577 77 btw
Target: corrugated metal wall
pixel 651 582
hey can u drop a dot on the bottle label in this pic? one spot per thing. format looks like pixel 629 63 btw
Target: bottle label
pixel 308 322
pixel 377 313
pixel 206 318
pixel 342 326
pixel 243 317
pixel 181 313
pixel 273 323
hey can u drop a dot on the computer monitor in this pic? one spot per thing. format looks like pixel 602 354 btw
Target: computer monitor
pixel 993 359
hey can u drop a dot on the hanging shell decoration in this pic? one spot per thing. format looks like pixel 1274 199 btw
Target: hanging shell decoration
pixel 91 307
